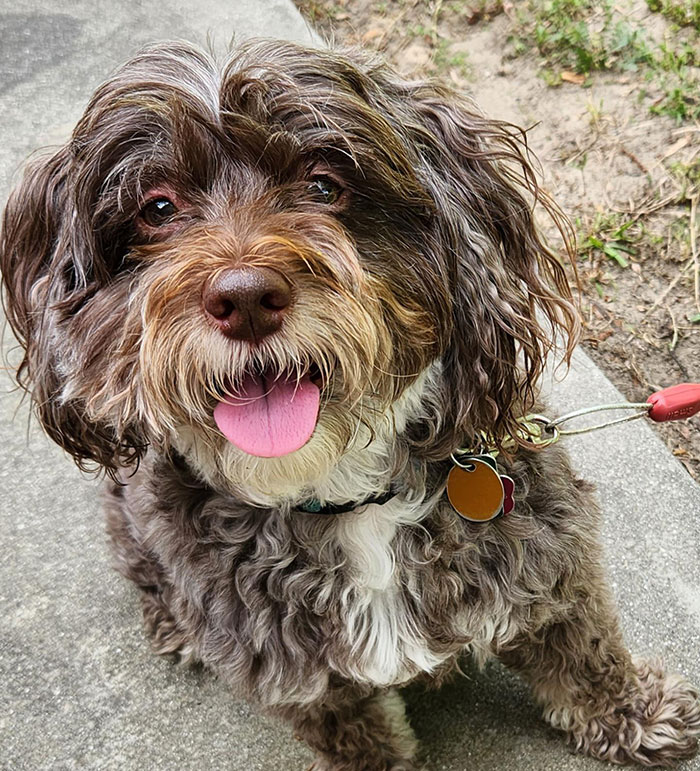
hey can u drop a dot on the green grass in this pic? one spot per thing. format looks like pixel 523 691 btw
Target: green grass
pixel 317 11
pixel 684 13
pixel 579 35
pixel 680 101
pixel 611 235
pixel 681 89
pixel 688 175
pixel 586 36
pixel 444 60
pixel 676 60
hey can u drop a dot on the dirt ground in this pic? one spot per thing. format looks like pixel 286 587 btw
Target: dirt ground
pixel 615 122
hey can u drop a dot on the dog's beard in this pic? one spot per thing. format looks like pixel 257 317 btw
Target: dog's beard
pixel 350 456
pixel 289 478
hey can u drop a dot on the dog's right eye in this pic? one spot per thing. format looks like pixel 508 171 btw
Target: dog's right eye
pixel 158 212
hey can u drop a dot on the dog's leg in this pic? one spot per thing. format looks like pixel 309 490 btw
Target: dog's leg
pixel 364 734
pixel 613 707
pixel 135 562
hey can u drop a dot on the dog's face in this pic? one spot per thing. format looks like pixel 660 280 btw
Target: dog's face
pixel 259 264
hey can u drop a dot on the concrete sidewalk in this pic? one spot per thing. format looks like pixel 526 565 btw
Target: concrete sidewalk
pixel 80 688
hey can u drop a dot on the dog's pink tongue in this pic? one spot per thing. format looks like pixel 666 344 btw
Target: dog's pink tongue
pixel 270 418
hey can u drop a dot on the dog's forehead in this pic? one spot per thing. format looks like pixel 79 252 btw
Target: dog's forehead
pixel 296 68
pixel 272 105
pixel 268 80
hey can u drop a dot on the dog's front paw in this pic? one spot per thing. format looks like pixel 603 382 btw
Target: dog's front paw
pixel 659 728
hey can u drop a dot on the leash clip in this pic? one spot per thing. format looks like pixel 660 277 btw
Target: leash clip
pixel 539 430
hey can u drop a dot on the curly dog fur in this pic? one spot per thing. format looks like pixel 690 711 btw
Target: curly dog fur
pixel 396 225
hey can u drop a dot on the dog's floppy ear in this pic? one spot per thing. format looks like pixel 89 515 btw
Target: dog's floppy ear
pixel 43 274
pixel 31 225
pixel 510 295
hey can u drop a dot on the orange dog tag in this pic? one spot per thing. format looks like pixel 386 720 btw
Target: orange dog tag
pixel 475 491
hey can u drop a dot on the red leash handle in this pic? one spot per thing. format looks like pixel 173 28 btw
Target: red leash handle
pixel 675 403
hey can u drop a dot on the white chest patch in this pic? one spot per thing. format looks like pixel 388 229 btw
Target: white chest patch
pixel 386 646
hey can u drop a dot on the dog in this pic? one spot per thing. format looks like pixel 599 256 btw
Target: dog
pixel 272 300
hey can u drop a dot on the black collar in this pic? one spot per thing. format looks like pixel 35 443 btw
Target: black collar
pixel 314 506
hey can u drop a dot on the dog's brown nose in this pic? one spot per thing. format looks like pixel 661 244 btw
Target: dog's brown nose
pixel 247 303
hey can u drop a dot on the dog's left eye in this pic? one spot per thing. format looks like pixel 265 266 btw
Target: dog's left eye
pixel 158 212
pixel 325 189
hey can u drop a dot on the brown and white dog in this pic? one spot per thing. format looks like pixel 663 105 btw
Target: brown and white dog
pixel 299 278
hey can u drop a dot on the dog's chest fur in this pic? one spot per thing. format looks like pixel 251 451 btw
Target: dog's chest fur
pixel 387 641
pixel 277 602
pixel 283 604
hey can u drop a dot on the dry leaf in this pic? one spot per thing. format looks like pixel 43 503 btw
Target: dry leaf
pixel 675 147
pixel 573 77
pixel 372 33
